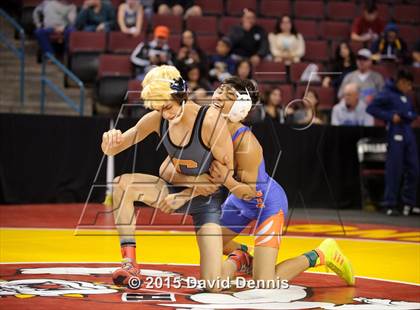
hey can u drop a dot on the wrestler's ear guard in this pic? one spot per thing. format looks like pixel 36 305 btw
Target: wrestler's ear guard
pixel 240 107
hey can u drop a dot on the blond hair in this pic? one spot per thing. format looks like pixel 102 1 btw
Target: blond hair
pixel 156 85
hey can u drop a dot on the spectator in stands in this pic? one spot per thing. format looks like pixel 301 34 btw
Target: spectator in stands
pixel 389 46
pixel 177 7
pixel 154 53
pixel 58 18
pixel 96 15
pixel 351 111
pixel 38 14
pixel 369 82
pixel 222 64
pixel 343 63
pixel 190 53
pixel 369 26
pixel 305 112
pixel 148 8
pixel 198 85
pixel 248 39
pixel 244 69
pixel 393 106
pixel 286 44
pixel 273 105
pixel 416 55
pixel 130 17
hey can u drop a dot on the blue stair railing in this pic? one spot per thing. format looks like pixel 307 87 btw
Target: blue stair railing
pixel 45 81
pixel 19 52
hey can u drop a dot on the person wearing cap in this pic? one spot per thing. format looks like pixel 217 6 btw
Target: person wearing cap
pixel 222 64
pixel 393 106
pixel 369 26
pixel 157 52
pixel 390 46
pixel 368 81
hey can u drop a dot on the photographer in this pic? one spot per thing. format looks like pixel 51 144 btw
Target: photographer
pixel 157 52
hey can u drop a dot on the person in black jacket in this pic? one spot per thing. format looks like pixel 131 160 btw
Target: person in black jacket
pixel 248 39
pixel 96 16
pixel 148 55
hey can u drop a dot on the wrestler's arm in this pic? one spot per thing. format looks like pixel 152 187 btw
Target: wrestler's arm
pixel 216 135
pixel 248 156
pixel 114 141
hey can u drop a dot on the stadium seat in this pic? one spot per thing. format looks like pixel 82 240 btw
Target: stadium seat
pixel 116 3
pixel 409 33
pixel 174 42
pixel 297 69
pixel 416 74
pixel 133 91
pixel 308 28
pixel 227 22
pixel 387 70
pixel 113 75
pixel 355 46
pixel 84 50
pixel 77 3
pixel 309 9
pixel 383 11
pixel 121 43
pixel 269 71
pixel 174 23
pixel 407 13
pixel 341 10
pixel 326 95
pixel 316 51
pixel 213 7
pixel 267 23
pixel 335 30
pixel 202 24
pixel 207 43
pixel 236 7
pixel 287 93
pixel 275 8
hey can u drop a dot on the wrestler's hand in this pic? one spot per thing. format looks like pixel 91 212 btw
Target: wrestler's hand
pixel 220 172
pixel 110 140
pixel 171 203
pixel 205 186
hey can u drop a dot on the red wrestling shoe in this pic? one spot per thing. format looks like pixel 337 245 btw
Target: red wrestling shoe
pixel 128 275
pixel 243 261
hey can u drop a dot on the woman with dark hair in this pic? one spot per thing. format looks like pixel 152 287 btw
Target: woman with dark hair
pixel 244 69
pixel 190 53
pixel 198 85
pixel 344 63
pixel 286 44
pixel 273 104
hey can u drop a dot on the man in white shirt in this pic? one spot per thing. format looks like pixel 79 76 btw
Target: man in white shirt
pixel 351 111
pixel 369 82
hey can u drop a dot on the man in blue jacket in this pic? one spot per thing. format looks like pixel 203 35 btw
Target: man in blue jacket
pixel 402 167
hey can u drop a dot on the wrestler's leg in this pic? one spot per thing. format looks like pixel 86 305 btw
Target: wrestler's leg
pixel 134 187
